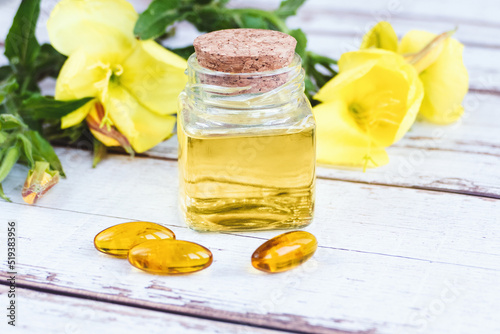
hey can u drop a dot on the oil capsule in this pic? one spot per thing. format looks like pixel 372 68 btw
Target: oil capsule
pixel 170 257
pixel 119 239
pixel 284 252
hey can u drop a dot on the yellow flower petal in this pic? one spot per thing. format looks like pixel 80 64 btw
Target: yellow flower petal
pixel 341 143
pixel 414 41
pixel 445 81
pixel 154 76
pixel 345 77
pixel 368 106
pixel 428 54
pixel 78 77
pixel 104 139
pixel 91 25
pixel 381 36
pixel 382 93
pixel 142 127
pixel 82 75
pixel 77 116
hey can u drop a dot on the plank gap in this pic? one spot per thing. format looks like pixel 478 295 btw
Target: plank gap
pixel 119 151
pixel 297 325
pixel 432 189
pixel 236 234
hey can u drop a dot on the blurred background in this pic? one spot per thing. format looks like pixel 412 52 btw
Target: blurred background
pixel 335 26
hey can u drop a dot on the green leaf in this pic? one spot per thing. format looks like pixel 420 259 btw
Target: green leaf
pixel 7 86
pixel 3 150
pixel 2 194
pixel 3 138
pixel 211 18
pixel 288 8
pixel 43 107
pixel 52 131
pixel 43 151
pixel 253 22
pixel 8 161
pixel 5 72
pixel 27 149
pixel 99 152
pixel 310 88
pixel 156 18
pixel 48 63
pixel 320 78
pixel 10 121
pixel 184 52
pixel 209 2
pixel 21 46
pixel 301 38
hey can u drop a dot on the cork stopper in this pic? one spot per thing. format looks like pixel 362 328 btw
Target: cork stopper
pixel 244 50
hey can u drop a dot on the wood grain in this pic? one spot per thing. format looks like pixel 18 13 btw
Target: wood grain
pixel 41 312
pixel 400 246
pixel 457 158
pixel 146 189
pixel 399 251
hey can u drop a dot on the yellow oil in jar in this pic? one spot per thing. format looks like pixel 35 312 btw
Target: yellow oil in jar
pixel 284 252
pixel 247 182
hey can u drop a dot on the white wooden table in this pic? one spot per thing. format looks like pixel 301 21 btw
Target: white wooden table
pixel 412 247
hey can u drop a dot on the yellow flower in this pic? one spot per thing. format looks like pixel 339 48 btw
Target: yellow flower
pixel 134 82
pixel 368 106
pixel 439 61
pixel 381 36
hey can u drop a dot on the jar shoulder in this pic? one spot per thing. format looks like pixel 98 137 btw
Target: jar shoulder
pixel 289 118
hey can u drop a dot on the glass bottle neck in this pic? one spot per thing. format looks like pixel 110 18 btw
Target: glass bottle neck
pixel 221 92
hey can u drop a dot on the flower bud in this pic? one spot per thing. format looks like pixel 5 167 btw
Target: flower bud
pixel 40 179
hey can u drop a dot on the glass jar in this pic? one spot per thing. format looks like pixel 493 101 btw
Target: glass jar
pixel 247 149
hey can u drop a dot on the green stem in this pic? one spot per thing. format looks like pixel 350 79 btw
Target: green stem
pixel 25 85
pixel 321 59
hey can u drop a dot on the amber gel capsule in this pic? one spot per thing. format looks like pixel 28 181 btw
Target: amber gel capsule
pixel 284 252
pixel 170 257
pixel 117 240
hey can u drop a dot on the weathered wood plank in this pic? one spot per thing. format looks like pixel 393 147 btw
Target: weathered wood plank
pixel 146 189
pixel 421 165
pixel 460 157
pixel 457 158
pixel 42 312
pixel 423 158
pixel 418 160
pixel 430 257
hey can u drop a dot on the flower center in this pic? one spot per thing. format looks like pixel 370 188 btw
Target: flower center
pixel 116 71
pixel 111 74
pixel 359 115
